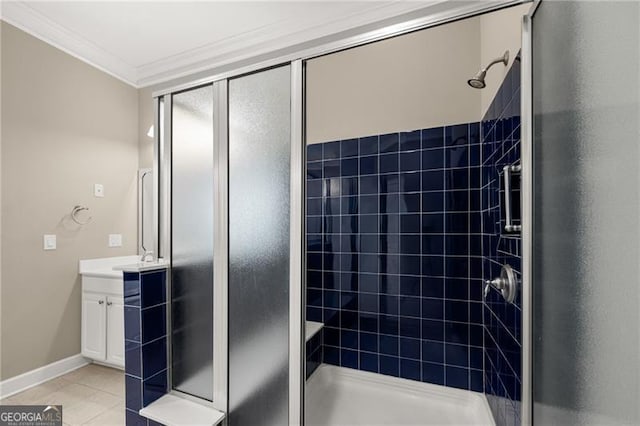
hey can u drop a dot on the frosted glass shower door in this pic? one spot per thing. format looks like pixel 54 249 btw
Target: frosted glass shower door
pixel 585 275
pixel 192 239
pixel 259 232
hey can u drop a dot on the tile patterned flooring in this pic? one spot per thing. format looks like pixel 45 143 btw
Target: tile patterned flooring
pixel 91 395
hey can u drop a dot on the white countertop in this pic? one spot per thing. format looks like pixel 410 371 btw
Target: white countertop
pixel 103 267
pixel 142 266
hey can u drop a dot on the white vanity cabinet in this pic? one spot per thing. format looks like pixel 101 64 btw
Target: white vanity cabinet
pixel 102 338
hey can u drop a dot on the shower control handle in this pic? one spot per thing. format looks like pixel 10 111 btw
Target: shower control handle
pixel 506 284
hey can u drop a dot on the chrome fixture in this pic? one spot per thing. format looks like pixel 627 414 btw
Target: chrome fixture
pixel 147 256
pixel 506 284
pixel 508 170
pixel 477 82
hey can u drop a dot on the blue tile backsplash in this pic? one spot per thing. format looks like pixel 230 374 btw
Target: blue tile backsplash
pixel 145 308
pixel 394 254
pixel 502 320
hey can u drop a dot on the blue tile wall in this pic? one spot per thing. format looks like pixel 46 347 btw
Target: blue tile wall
pixel 314 353
pixel 503 332
pixel 145 308
pixel 394 261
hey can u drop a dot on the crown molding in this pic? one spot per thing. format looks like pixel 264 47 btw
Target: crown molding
pixel 21 15
pixel 266 39
pixel 233 49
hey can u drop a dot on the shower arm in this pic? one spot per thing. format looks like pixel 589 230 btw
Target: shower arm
pixel 504 59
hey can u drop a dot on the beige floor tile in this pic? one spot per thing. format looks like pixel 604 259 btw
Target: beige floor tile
pixel 114 385
pixel 37 394
pixel 81 412
pixel 69 395
pixel 112 417
pixel 105 399
pixel 12 400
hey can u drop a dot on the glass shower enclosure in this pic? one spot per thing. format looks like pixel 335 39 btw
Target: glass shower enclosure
pixel 230 180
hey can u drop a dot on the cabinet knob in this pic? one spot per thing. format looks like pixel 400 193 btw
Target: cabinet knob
pixel 100 302
pixel 109 303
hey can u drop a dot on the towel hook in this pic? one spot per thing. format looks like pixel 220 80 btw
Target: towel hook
pixel 74 215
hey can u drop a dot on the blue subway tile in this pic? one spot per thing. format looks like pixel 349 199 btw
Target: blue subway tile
pixel 132 358
pixel 331 150
pixel 154 387
pixel 314 170
pixel 314 152
pixel 332 355
pixel 410 348
pixel 369 165
pixel 389 365
pixel 154 357
pixel 348 358
pixel 433 373
pixel 132 323
pixel 133 392
pixel 433 138
pixel 349 148
pixel 389 304
pixel 369 342
pixel 410 369
pixel 348 167
pixel 389 142
pixel 457 377
pixel 457 355
pixel 331 168
pixel 369 362
pixel 410 141
pixel 132 418
pixel 410 161
pixel 390 163
pixel 153 288
pixel 132 289
pixel 369 145
pixel 432 351
pixel 154 323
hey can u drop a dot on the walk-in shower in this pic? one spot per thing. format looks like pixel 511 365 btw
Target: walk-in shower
pixel 354 236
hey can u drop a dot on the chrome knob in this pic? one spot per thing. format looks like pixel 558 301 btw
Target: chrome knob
pixel 506 284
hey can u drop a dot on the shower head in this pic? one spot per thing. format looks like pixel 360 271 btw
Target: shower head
pixel 477 82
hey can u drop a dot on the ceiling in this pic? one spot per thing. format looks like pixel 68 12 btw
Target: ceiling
pixel 145 43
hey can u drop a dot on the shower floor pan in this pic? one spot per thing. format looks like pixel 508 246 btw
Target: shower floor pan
pixel 337 396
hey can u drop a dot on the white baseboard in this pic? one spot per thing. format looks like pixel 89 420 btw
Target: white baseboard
pixel 40 375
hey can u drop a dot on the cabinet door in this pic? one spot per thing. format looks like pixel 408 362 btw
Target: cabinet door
pixel 115 330
pixel 94 326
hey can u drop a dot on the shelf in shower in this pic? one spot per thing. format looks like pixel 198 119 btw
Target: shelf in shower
pixel 312 328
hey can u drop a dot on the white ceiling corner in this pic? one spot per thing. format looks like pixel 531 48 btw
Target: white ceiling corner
pixel 144 43
pixel 19 14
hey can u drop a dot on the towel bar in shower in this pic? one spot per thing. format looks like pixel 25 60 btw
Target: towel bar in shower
pixel 508 170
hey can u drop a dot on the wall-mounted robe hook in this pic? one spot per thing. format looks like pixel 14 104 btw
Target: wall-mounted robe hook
pixel 74 215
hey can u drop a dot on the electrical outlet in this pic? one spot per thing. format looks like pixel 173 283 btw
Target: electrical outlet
pixel 49 242
pixel 98 190
pixel 115 240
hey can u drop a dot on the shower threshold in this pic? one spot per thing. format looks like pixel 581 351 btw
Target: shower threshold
pixel 342 396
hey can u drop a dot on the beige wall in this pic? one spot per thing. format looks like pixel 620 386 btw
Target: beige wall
pixel 499 31
pixel 409 82
pixel 65 126
pixel 414 81
pixel 145 120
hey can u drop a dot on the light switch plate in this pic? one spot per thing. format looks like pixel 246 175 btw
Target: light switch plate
pixel 98 190
pixel 115 240
pixel 49 242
